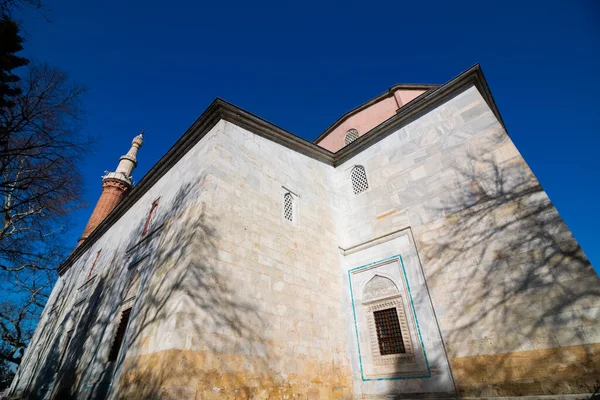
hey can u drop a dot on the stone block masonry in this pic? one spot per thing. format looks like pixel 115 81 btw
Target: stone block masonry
pixel 515 297
pixel 229 297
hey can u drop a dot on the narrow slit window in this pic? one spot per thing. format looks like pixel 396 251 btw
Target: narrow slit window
pixel 94 264
pixel 359 179
pixel 148 223
pixel 389 334
pixel 120 335
pixel 351 136
pixel 288 207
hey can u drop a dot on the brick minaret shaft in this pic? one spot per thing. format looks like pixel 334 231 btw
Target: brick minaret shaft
pixel 115 186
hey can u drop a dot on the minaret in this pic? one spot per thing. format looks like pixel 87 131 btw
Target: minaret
pixel 115 186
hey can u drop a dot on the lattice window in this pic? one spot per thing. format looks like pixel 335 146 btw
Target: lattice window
pixel 288 207
pixel 351 136
pixel 120 335
pixel 389 334
pixel 359 179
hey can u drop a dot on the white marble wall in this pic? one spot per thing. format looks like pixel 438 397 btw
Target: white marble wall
pixel 226 274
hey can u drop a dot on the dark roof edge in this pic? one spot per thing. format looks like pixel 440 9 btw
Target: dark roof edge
pixel 376 99
pixel 414 86
pixel 419 106
pixel 218 110
pixel 222 110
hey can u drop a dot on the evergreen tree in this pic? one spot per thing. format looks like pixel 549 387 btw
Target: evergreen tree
pixel 10 44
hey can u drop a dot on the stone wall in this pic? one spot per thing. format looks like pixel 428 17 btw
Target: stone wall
pixel 517 301
pixel 259 310
pixel 90 304
pixel 235 301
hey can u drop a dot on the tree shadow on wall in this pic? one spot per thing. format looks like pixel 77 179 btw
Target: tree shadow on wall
pixel 507 276
pixel 189 332
pixel 52 366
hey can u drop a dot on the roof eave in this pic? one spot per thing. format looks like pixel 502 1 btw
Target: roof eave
pixel 222 110
pixel 218 110
pixel 419 106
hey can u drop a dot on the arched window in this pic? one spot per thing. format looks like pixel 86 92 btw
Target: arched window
pixel 351 136
pixel 359 179
pixel 288 207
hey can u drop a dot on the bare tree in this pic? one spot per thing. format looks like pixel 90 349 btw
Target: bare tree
pixel 7 6
pixel 39 184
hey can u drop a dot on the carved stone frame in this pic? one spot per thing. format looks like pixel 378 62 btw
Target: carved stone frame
pixel 385 287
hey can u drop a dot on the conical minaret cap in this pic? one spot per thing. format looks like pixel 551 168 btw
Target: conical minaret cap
pixel 138 140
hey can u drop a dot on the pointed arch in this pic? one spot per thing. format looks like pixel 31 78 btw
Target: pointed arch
pixel 379 286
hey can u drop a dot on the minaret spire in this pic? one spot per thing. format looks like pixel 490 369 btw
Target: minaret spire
pixel 128 162
pixel 115 186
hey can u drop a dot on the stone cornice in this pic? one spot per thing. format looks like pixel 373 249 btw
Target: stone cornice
pixel 120 181
pixel 260 127
pixel 222 110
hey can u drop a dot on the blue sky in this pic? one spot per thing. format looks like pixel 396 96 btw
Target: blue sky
pixel 157 65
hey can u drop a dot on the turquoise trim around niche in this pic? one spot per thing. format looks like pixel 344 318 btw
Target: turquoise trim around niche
pixel 362 375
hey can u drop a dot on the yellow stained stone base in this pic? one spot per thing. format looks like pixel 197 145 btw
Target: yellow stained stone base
pixel 563 370
pixel 184 374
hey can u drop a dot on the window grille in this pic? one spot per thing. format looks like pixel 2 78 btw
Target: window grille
pixel 288 207
pixel 359 179
pixel 351 136
pixel 389 334
pixel 120 335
